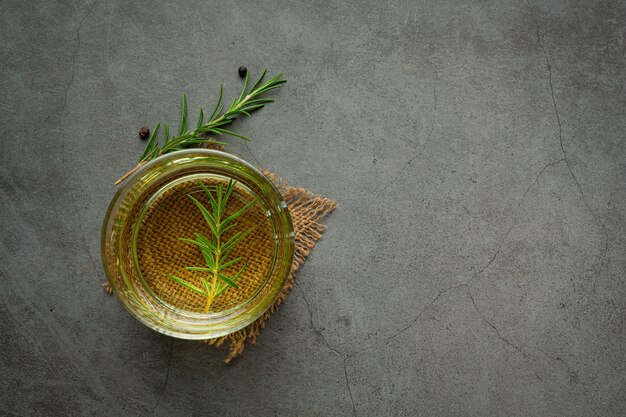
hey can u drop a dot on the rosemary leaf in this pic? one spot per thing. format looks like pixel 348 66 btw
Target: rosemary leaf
pixel 200 119
pixel 207 215
pixel 229 263
pixel 217 109
pixel 227 280
pixel 183 117
pixel 187 285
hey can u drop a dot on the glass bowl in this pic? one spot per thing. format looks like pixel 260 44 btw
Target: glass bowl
pixel 141 243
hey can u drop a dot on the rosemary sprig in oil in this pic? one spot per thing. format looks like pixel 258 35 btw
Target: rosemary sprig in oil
pixel 247 102
pixel 216 250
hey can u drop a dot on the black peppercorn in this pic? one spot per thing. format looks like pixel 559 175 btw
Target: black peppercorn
pixel 144 133
pixel 243 71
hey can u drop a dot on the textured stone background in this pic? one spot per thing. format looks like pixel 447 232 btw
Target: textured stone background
pixel 476 266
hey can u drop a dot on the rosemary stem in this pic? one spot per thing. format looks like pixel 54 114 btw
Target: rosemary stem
pixel 129 173
pixel 211 296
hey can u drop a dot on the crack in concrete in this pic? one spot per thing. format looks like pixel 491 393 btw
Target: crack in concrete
pixel 335 351
pixel 67 88
pixel 572 373
pixel 558 120
pixel 411 323
pixel 345 373
pixel 167 376
pixel 76 50
pixel 569 368
pixel 312 325
pixel 515 215
pixel 252 154
pixel 493 327
pixel 426 142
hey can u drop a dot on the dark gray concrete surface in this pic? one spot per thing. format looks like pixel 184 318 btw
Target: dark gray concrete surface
pixel 476 265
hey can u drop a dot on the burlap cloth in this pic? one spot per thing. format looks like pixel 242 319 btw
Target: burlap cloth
pixel 306 209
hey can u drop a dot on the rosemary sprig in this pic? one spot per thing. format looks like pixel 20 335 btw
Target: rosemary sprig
pixel 247 102
pixel 216 250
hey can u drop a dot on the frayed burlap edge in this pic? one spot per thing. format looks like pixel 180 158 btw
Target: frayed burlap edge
pixel 307 210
